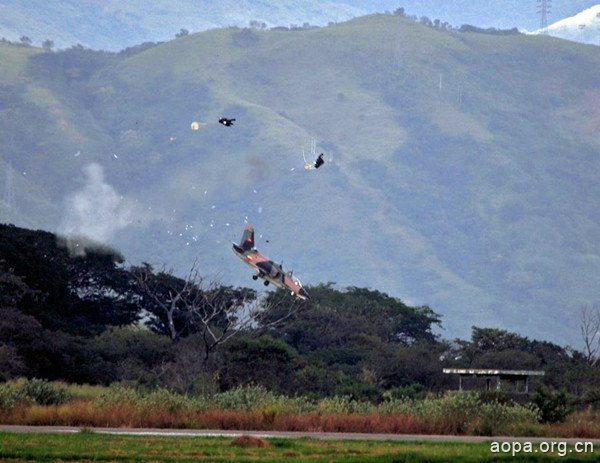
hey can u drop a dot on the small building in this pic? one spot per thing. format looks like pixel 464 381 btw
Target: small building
pixel 518 380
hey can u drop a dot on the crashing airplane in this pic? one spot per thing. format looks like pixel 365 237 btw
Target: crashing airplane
pixel 266 269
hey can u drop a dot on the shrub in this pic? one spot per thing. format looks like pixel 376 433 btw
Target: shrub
pixel 397 406
pixel 410 391
pixel 118 394
pixel 552 405
pixel 244 398
pixel 495 417
pixel 343 405
pixel 592 398
pixel 11 395
pixel 164 400
pixel 43 392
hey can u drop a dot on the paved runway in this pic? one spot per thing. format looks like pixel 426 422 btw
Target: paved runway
pixel 285 434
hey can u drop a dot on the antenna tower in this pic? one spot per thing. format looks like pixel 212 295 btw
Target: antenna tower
pixel 543 8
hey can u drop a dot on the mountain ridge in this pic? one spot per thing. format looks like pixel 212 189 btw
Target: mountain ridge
pixel 457 164
pixel 113 25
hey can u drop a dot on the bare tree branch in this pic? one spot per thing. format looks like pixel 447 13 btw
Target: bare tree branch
pixel 590 333
pixel 206 307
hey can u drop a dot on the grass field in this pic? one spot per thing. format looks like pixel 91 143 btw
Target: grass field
pixel 88 446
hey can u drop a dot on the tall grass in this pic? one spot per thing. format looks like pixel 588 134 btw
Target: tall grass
pixel 255 408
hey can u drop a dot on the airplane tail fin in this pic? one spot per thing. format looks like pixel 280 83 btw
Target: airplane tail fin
pixel 247 242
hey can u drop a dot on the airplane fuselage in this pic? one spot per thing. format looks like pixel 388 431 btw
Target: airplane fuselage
pixel 270 271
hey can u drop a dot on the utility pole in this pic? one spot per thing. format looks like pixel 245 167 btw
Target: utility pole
pixel 543 8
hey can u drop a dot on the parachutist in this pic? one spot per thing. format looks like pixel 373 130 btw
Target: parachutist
pixel 319 162
pixel 226 122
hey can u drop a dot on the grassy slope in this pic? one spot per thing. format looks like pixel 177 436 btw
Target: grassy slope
pixel 478 207
pixel 88 446
pixel 15 90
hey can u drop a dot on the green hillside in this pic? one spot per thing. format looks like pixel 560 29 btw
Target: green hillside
pixel 461 167
pixel 114 25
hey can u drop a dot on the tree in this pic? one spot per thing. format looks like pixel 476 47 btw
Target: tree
pixel 26 41
pixel 264 360
pixel 493 339
pixel 182 33
pixel 194 305
pixel 12 288
pixel 426 21
pixel 11 363
pixel 47 44
pixel 79 295
pixel 131 353
pixel 101 293
pixel 590 333
pixel 254 24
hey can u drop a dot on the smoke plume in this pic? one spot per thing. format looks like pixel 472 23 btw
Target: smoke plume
pixel 96 211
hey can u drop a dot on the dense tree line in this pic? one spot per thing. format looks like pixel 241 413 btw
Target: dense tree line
pixel 88 318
